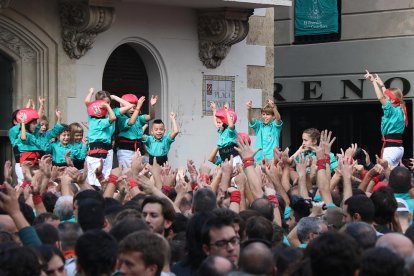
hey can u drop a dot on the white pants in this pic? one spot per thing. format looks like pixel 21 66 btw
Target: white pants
pixel 124 157
pixel 19 173
pixel 94 163
pixel 393 155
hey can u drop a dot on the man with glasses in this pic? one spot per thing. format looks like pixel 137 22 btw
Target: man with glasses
pixel 219 238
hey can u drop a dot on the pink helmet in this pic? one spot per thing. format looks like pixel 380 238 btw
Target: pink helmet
pixel 29 114
pixel 95 109
pixel 245 137
pixel 221 114
pixel 131 98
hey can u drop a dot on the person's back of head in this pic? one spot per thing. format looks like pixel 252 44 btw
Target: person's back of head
pixel 96 253
pixel 301 207
pixel 385 205
pixel 64 208
pixel 264 207
pixel 381 262
pixel 153 249
pixel 88 194
pixel 91 214
pixel 397 243
pixel 127 226
pixel 204 200
pixel 360 207
pixel 47 233
pixel 256 258
pixel 363 233
pixel 286 257
pixel 18 260
pixel 215 266
pixel 49 200
pixel 333 252
pixel 259 228
pixel 69 232
pixel 193 238
pixel 400 180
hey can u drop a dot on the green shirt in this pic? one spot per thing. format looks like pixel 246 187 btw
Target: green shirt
pixel 44 138
pixel 158 147
pixel 14 133
pixel 30 144
pixel 267 138
pixel 100 130
pixel 227 137
pixel 392 122
pixel 133 132
pixel 79 151
pixel 59 151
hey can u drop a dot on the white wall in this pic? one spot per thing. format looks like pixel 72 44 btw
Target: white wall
pixel 173 33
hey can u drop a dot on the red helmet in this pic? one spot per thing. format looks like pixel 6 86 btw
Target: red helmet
pixel 29 114
pixel 95 109
pixel 131 98
pixel 245 137
pixel 221 114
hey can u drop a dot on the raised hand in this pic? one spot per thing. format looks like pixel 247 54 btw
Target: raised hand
pixel 326 141
pixel 213 105
pixel 8 172
pixel 173 116
pixel 244 149
pixel 249 105
pixel 378 80
pixel 369 76
pixel 153 100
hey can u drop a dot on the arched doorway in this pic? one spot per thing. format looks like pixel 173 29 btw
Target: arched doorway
pixel 124 73
pixel 6 105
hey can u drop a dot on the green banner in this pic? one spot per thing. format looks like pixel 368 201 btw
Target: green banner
pixel 315 17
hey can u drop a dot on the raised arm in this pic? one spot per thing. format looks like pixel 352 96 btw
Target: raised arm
pixel 88 97
pixel 249 112
pixel 153 102
pixel 213 107
pixel 125 105
pixel 278 118
pixel 23 135
pixel 112 116
pixel 229 118
pixel 135 115
pixel 378 86
pixel 254 180
pixel 41 110
pixel 175 131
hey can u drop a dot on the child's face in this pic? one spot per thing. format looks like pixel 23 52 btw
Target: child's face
pixel 77 137
pixel 307 141
pixel 106 99
pixel 32 126
pixel 219 123
pixel 267 117
pixel 43 126
pixel 132 110
pixel 158 131
pixel 64 138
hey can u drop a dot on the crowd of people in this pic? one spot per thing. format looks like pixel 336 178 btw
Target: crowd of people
pixel 65 209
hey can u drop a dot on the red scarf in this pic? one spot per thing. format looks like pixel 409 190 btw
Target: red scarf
pixel 397 102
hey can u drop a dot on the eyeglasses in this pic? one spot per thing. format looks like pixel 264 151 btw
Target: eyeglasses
pixel 222 243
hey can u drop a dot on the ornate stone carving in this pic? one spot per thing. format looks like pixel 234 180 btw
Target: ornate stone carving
pixel 81 24
pixel 4 4
pixel 16 45
pixel 218 29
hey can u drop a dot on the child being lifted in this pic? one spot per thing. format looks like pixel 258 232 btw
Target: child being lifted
pixel 267 131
